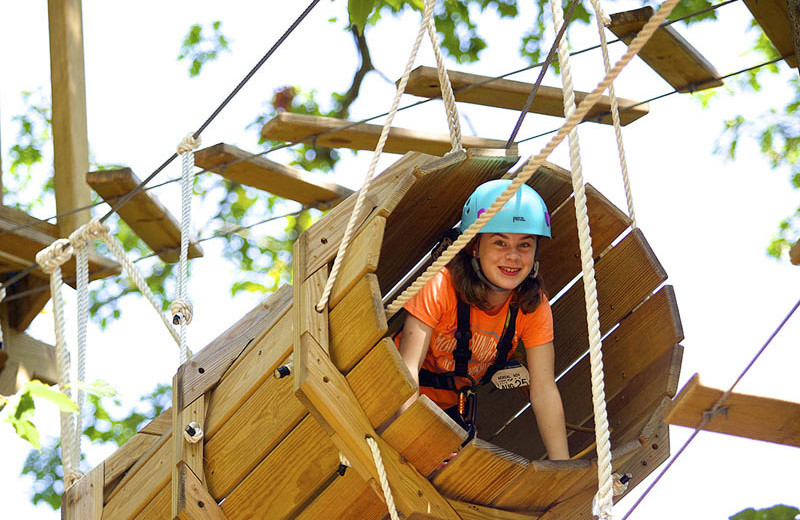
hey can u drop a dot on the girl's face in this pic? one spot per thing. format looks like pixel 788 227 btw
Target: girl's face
pixel 506 258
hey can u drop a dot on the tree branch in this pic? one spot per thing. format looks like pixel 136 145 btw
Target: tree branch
pixel 366 66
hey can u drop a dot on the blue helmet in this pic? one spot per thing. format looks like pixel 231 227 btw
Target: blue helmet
pixel 524 213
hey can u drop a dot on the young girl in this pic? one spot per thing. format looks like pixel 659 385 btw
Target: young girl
pixel 503 305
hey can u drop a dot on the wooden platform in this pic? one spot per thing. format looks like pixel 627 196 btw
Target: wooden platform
pixel 22 236
pixel 773 17
pixel 258 172
pixel 750 416
pixel 145 215
pixel 505 93
pixel 339 133
pixel 271 446
pixel 667 52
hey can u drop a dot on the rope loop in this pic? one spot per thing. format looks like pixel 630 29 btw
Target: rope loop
pixel 55 255
pixel 193 433
pixel 181 310
pixel 71 476
pixel 92 230
pixel 189 143
pixel 384 479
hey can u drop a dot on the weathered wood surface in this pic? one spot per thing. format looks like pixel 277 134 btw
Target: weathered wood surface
pixel 193 501
pixel 469 511
pixel 144 213
pixel 479 473
pixel 84 499
pixel 339 133
pixel 254 170
pixel 773 17
pixel 357 323
pixel 543 483
pixel 186 456
pixel 506 93
pixel 742 415
pixel 125 457
pixel 667 52
pixel 158 508
pixel 348 497
pixel 70 134
pixel 361 258
pixel 37 358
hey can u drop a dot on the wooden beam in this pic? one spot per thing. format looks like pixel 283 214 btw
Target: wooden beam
pixel 194 502
pixel 70 135
pixel 145 215
pixel 38 358
pixel 750 416
pixel 505 93
pixel 307 188
pixel 773 17
pixel 793 6
pixel 339 133
pixel 84 499
pixel 187 456
pixel 794 253
pixel 667 52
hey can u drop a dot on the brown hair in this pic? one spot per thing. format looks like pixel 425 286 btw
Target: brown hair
pixel 469 287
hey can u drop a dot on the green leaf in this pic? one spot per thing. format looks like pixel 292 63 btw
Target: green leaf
pixel 39 389
pixel 359 11
pixel 98 388
pixel 779 512
pixel 26 430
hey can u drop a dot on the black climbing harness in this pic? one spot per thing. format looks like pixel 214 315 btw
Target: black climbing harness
pixel 467 397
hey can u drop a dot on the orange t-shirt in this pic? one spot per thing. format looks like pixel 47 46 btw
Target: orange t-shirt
pixel 436 306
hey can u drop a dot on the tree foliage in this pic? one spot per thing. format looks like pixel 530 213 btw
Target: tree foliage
pixel 779 512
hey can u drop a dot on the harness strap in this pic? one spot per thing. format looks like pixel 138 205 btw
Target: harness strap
pixel 462 354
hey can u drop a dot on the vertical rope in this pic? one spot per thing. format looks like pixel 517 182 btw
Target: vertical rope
pixel 82 273
pixel 50 260
pixel 602 21
pixel 605 490
pixel 350 229
pixel 448 97
pixel 384 480
pixel 181 308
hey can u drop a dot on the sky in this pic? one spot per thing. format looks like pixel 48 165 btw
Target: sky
pixel 707 219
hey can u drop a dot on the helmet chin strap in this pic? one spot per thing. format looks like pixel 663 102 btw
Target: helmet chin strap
pixel 477 268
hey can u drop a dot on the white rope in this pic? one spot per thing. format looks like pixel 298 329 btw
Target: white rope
pixel 535 162
pixel 448 97
pixel 133 272
pixel 50 260
pixel 181 308
pixel 82 287
pixel 605 496
pixel 351 224
pixel 602 22
pixel 387 491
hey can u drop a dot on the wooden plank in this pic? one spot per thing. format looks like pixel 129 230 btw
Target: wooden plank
pixel 794 253
pixel 560 256
pixel 773 17
pixel 144 213
pixel 249 373
pixel 625 275
pixel 743 415
pixel 424 435
pixel 320 243
pixel 667 52
pixel 236 165
pixel 30 295
pixel 333 402
pixel 542 483
pixel 433 205
pixel 38 358
pixel 347 498
pixel 552 182
pixel 142 483
pixel 84 499
pixel 126 456
pixel 361 258
pixel 160 425
pixel 194 502
pixel 793 6
pixel 287 477
pixel 19 246
pixel 469 511
pixel 159 507
pixel 357 323
pixel 70 134
pixel 506 93
pixel 204 370
pixel 339 133
pixel 273 412
pixel 12 377
pixel 479 473
pixel 186 455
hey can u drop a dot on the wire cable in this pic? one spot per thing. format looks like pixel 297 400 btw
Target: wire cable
pixel 711 412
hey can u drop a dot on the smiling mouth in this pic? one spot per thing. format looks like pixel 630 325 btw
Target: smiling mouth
pixel 510 270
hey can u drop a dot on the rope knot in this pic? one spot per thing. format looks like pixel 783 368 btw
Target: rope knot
pixel 193 433
pixel 188 144
pixel 71 476
pixel 92 230
pixel 55 255
pixel 181 310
